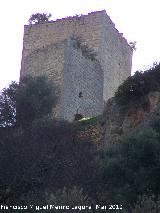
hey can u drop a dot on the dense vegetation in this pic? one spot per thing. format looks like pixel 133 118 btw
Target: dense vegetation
pixel 42 161
pixel 137 86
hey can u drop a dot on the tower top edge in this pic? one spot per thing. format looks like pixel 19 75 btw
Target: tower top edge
pixel 70 18
pixel 101 13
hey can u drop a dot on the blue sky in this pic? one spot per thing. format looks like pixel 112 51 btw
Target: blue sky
pixel 138 20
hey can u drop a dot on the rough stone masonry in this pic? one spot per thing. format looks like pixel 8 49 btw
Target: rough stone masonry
pixel 84 83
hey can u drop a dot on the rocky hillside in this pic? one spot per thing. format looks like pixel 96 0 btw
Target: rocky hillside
pixel 120 121
pixel 136 105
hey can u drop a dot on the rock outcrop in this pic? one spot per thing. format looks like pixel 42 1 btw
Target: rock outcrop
pixel 120 120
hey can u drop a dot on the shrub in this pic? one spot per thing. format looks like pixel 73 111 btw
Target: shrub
pixel 39 18
pixel 46 155
pixel 131 168
pixel 146 204
pixel 138 85
pixel 74 198
pixel 35 98
pixel 87 51
pixel 21 103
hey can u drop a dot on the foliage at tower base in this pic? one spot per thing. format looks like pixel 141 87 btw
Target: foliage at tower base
pixel 21 103
pixel 42 160
pixel 38 153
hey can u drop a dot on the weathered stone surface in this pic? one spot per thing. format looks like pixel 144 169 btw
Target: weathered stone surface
pixel 137 115
pixel 154 99
pixel 93 133
pixel 133 117
pixel 73 74
pixel 114 117
pixel 47 49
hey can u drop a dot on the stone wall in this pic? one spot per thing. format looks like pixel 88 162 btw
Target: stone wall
pixel 116 58
pixel 40 35
pixel 45 61
pixel 79 79
pixel 82 86
pixel 48 61
pixel 46 51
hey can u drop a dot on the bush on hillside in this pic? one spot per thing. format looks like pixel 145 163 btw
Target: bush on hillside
pixel 44 156
pixel 137 86
pixel 38 152
pixel 131 168
pixel 74 198
pixel 35 97
pixel 57 201
pixel 147 204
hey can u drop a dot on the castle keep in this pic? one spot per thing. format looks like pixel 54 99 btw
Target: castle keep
pixel 85 80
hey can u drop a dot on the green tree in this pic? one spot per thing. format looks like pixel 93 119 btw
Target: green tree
pixel 35 98
pixel 8 105
pixel 21 103
pixel 39 18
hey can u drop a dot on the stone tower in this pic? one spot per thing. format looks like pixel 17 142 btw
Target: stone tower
pixel 84 82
